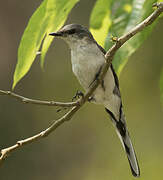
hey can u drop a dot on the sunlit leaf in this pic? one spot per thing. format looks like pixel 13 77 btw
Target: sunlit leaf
pixel 126 21
pixel 122 17
pixel 57 13
pixel 30 42
pixel 100 20
pixel 50 16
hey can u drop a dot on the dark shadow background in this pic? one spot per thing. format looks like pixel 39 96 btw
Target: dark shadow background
pixel 87 147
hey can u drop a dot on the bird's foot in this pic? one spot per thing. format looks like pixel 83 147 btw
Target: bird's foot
pixel 78 95
pixel 90 99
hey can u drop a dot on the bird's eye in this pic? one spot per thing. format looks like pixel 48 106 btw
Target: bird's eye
pixel 71 31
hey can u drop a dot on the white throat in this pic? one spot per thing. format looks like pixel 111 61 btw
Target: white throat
pixel 86 59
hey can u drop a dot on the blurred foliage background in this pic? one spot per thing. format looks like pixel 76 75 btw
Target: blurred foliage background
pixel 87 147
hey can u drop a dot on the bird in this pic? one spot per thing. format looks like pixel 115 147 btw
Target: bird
pixel 87 59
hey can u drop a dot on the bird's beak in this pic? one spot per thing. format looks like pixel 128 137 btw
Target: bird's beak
pixel 56 33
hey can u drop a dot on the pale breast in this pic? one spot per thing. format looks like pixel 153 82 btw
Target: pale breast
pixel 86 62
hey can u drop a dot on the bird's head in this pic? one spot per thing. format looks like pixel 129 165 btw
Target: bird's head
pixel 74 33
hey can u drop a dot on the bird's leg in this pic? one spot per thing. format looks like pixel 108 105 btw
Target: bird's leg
pixel 78 95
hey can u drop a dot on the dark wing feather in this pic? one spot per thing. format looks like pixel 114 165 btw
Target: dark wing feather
pixel 113 71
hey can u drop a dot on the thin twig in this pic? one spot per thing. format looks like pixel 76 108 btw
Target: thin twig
pixel 109 57
pixel 38 102
pixel 5 152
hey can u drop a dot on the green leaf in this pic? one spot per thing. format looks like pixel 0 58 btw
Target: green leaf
pixel 58 13
pixel 122 17
pixel 49 16
pixel 30 43
pixel 100 20
pixel 140 10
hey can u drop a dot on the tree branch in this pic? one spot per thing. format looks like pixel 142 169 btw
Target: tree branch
pixel 5 152
pixel 38 102
pixel 109 57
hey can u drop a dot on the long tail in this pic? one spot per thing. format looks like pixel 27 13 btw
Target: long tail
pixel 126 142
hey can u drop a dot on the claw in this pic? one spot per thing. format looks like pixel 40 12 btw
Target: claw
pixel 78 95
pixel 90 99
